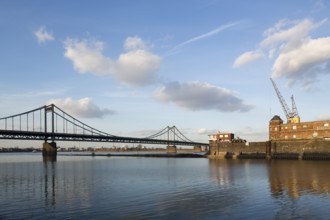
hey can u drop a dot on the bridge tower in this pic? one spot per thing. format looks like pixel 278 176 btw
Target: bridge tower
pixel 49 149
pixel 171 148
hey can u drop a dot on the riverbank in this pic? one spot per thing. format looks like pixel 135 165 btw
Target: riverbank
pixel 291 149
pixel 140 154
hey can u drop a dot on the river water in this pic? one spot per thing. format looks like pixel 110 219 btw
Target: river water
pixel 86 187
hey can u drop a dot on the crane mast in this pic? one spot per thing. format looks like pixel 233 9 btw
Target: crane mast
pixel 294 108
pixel 291 116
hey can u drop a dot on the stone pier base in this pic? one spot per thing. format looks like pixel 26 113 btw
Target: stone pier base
pixel 197 148
pixel 171 149
pixel 49 149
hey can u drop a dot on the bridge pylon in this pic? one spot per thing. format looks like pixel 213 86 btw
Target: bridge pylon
pixel 197 148
pixel 171 149
pixel 49 149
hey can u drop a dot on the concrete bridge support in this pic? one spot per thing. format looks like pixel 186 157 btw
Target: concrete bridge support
pixel 49 149
pixel 197 148
pixel 171 149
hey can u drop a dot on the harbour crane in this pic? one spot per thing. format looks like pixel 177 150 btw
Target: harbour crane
pixel 291 116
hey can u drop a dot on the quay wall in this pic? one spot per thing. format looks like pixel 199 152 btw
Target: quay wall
pixel 301 146
pixel 290 149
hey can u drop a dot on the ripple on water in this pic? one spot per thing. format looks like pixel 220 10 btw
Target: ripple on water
pixel 162 188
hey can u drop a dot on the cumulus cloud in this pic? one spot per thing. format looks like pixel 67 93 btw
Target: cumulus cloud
pixel 298 56
pixel 134 43
pixel 43 35
pixel 197 96
pixel 304 62
pixel 247 57
pixel 84 107
pixel 288 34
pixel 87 57
pixel 136 67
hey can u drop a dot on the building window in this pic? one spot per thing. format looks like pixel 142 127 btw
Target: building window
pixel 326 125
pixel 294 136
pixel 286 137
pixel 294 127
pixel 286 127
pixel 221 135
pixel 304 126
pixel 226 135
pixel 275 129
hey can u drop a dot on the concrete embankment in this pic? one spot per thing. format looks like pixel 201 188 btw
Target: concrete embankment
pixel 303 149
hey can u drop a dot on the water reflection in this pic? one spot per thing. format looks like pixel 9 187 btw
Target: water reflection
pixel 220 172
pixel 297 178
pixel 167 188
pixel 229 172
pixel 49 179
pixel 49 158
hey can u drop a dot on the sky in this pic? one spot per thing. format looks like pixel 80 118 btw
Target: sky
pixel 131 68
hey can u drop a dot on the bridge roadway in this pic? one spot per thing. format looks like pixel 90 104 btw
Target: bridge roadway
pixel 35 135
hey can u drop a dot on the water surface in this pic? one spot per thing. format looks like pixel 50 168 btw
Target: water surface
pixel 85 187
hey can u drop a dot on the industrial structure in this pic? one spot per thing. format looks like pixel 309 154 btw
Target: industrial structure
pixel 294 129
pixel 291 140
pixel 291 115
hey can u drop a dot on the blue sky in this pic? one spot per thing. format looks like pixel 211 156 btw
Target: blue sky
pixel 132 68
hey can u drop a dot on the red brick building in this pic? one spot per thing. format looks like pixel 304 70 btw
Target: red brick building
pixel 298 131
pixel 221 137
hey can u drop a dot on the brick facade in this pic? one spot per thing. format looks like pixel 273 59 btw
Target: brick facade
pixel 222 137
pixel 278 131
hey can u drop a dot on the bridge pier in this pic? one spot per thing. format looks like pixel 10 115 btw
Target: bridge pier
pixel 197 149
pixel 49 149
pixel 171 149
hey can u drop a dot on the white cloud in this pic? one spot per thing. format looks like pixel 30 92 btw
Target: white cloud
pixel 292 36
pixel 84 107
pixel 136 67
pixel 298 56
pixel 206 131
pixel 87 57
pixel 197 96
pixel 247 57
pixel 43 35
pixel 134 43
pixel 300 64
pixel 206 35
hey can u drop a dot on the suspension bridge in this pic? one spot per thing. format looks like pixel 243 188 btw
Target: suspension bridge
pixel 50 124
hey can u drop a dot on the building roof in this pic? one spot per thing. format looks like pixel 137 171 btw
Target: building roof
pixel 276 118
